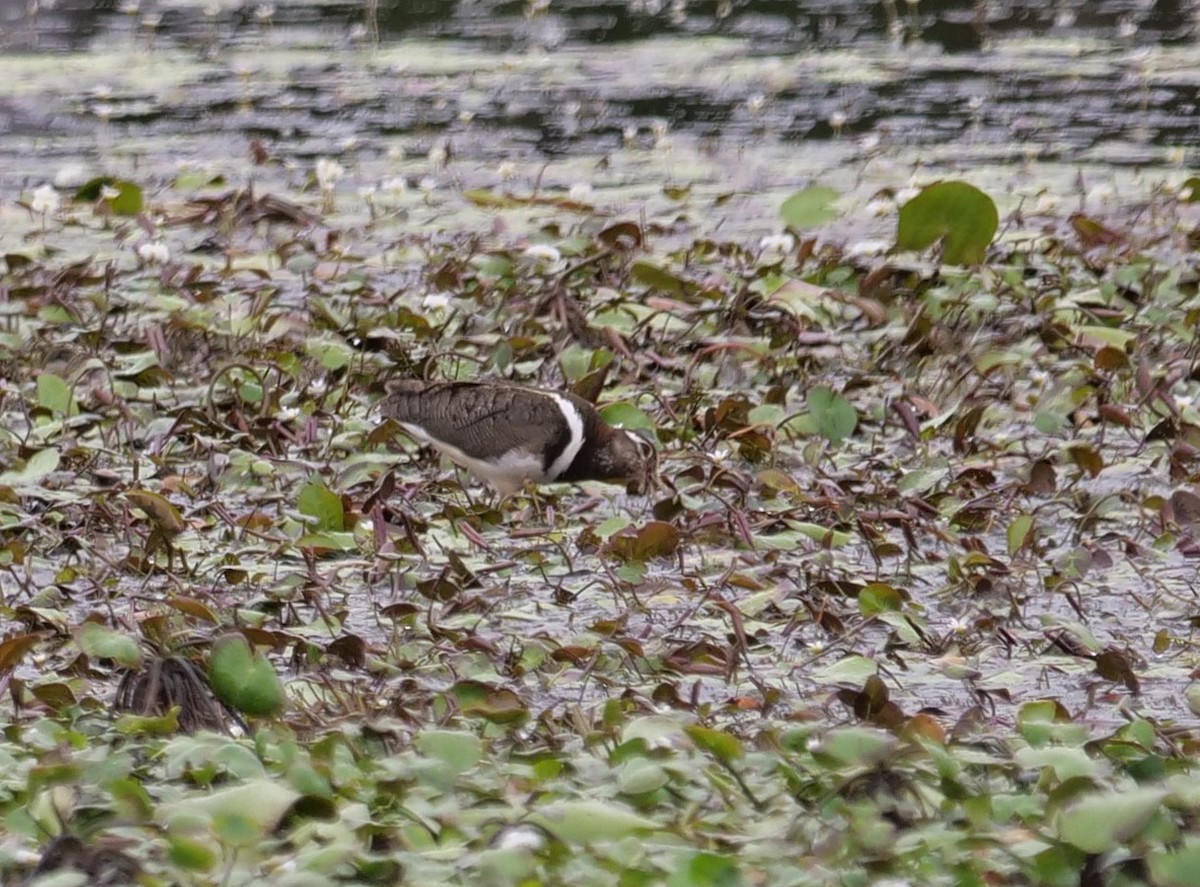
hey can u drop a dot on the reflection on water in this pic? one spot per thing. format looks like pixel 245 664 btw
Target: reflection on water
pixel 780 25
pixel 1062 80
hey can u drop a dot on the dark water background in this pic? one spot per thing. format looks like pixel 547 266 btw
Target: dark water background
pixel 1113 82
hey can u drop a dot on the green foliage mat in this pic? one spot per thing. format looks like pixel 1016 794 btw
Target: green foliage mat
pixel 914 601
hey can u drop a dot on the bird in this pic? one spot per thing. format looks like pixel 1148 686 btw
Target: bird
pixel 512 436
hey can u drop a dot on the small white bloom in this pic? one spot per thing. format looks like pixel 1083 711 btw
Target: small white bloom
pixel 777 243
pixel 45 201
pixel 838 119
pixel 755 103
pixel 629 134
pixel 108 192
pixel 395 186
pixel 435 301
pixel 367 193
pixel 542 252
pixel 71 176
pixel 329 172
pixel 521 837
pixel 1048 204
pixel 264 11
pixel 154 252
pixel 506 170
pixel 580 192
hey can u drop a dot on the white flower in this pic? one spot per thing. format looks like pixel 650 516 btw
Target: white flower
pixel 521 837
pixel 506 170
pixel 108 192
pixel 367 193
pixel 71 176
pixel 580 192
pixel 329 172
pixel 435 301
pixel 153 252
pixel 395 186
pixel 777 243
pixel 45 201
pixel 755 103
pixel 629 134
pixel 542 252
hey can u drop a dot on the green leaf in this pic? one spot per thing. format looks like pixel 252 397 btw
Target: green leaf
pixel 717 743
pixel 54 394
pixel 324 506
pixel 101 642
pixel 854 746
pixel 584 822
pixel 243 680
pixel 1103 822
pixel 126 202
pixel 877 598
pixel 460 751
pixel 959 215
pixel 809 208
pixel 625 415
pixel 1020 531
pixel 835 416
pixel 707 870
pixel 657 278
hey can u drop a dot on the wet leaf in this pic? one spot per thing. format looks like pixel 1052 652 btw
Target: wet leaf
pixel 1020 533
pixel 323 505
pixel 657 278
pixel 165 516
pixel 101 642
pixel 583 822
pixel 126 201
pixel 244 680
pixel 54 394
pixel 716 742
pixel 835 416
pixel 1103 821
pixel 960 216
pixel 809 208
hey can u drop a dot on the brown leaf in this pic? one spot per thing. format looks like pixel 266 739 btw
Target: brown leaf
pixel 159 509
pixel 1042 477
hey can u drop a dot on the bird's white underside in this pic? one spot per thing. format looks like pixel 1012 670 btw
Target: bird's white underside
pixel 517 467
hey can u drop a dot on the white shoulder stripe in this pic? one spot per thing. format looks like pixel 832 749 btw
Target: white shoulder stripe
pixel 574 444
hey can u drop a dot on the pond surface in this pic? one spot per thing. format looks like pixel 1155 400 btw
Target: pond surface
pixel 753 98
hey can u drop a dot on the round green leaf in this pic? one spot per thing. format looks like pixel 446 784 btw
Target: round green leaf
pixel 959 215
pixel 243 680
pixel 809 208
pixel 835 416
